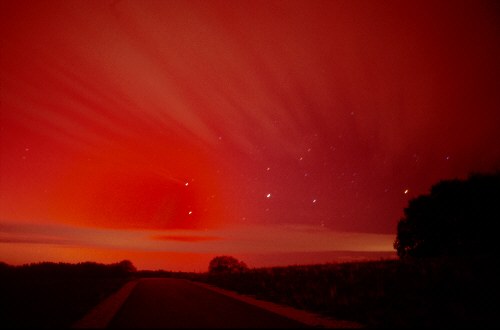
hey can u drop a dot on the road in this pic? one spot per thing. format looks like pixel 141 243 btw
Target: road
pixel 176 303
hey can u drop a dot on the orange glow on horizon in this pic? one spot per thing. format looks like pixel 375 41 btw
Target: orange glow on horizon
pixel 155 128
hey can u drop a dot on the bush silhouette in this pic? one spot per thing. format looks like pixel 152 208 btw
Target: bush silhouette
pixel 226 264
pixel 124 267
pixel 457 218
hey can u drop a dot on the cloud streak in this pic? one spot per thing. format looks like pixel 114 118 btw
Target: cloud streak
pixel 230 240
pixel 179 238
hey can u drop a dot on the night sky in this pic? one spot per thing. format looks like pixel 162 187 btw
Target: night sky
pixel 168 132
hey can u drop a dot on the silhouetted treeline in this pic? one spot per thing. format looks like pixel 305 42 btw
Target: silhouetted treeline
pixel 457 218
pixel 48 294
pixel 124 268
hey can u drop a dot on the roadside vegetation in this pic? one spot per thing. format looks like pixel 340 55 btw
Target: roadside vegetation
pixel 55 295
pixel 439 292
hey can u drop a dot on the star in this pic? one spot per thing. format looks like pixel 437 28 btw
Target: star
pixel 268 195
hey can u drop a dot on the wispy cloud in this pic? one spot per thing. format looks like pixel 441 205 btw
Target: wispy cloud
pixel 37 239
pixel 180 238
pixel 231 239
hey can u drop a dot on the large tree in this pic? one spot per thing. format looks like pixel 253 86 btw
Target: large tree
pixel 457 218
pixel 226 264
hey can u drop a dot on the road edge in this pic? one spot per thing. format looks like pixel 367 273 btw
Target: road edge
pixel 101 315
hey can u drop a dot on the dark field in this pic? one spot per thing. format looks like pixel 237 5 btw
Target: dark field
pixel 54 295
pixel 442 292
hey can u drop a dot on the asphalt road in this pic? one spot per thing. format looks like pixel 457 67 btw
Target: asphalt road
pixel 176 303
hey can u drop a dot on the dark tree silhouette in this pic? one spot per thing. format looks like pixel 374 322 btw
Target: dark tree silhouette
pixel 125 266
pixel 226 264
pixel 457 218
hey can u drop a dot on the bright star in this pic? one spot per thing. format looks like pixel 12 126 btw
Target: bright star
pixel 268 195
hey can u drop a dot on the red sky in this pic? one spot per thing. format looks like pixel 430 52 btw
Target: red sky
pixel 167 132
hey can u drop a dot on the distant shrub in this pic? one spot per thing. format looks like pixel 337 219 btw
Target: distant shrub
pixel 124 267
pixel 226 264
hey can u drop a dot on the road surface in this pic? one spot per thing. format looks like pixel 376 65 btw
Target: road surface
pixel 176 303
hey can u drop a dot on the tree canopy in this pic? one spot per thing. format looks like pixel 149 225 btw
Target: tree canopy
pixel 226 264
pixel 457 218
